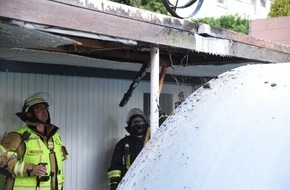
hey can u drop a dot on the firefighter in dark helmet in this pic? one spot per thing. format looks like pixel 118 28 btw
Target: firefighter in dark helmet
pixel 127 149
pixel 37 142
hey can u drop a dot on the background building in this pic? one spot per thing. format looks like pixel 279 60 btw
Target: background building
pixel 272 29
pixel 254 9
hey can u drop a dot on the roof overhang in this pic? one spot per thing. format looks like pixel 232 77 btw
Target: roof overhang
pixel 63 31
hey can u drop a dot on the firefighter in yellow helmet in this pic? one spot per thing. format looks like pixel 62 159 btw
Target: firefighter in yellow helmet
pixel 127 149
pixel 37 142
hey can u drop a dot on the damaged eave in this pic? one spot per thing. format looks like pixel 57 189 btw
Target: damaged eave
pixel 18 37
pixel 230 48
pixel 205 29
pixel 87 20
pixel 119 21
pixel 174 23
pixel 125 11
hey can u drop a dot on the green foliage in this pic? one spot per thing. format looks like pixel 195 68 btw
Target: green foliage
pixel 155 6
pixel 280 8
pixel 150 5
pixel 231 22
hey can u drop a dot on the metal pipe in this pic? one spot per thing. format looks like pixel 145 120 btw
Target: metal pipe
pixel 154 90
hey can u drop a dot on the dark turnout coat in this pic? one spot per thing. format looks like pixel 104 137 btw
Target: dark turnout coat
pixel 123 157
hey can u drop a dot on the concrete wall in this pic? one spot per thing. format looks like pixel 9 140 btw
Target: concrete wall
pixel 272 29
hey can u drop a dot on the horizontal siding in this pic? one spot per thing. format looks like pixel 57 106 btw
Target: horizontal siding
pixel 86 110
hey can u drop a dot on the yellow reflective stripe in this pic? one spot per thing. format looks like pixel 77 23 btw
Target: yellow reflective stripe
pixel 114 173
pixel 39 148
pixel 128 162
pixel 12 154
pixel 2 149
pixel 50 145
pixel 28 187
pixel 33 138
pixel 60 185
pixel 18 168
pixel 116 183
pixel 163 116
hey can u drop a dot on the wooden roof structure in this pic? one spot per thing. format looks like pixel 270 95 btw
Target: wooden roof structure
pixel 78 32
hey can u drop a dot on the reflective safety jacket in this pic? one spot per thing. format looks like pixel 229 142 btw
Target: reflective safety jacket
pixel 48 150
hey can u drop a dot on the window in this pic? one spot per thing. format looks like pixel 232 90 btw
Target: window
pixel 263 3
pixel 222 3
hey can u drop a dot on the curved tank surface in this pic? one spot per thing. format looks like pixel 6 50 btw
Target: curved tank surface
pixel 232 133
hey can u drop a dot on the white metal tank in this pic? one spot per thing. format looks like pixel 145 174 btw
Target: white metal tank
pixel 231 134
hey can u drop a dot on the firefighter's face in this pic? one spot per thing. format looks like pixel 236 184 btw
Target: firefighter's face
pixel 41 112
pixel 139 125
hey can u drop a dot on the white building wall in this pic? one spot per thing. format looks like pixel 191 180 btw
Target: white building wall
pixel 87 112
pixel 251 8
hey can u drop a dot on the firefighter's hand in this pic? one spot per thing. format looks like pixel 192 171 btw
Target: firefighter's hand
pixel 39 170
